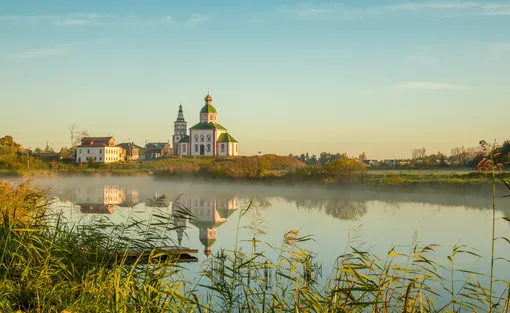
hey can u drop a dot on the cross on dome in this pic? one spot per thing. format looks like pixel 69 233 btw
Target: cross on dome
pixel 208 98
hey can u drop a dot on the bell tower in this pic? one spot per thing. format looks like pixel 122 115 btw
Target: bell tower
pixel 180 130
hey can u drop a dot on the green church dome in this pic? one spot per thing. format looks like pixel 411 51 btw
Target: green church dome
pixel 208 108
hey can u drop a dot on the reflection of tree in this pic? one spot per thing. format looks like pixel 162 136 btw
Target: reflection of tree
pixel 261 202
pixel 338 208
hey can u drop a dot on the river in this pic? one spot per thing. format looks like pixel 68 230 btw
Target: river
pixel 379 218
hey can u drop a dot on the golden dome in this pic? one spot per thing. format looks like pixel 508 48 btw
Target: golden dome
pixel 208 251
pixel 208 98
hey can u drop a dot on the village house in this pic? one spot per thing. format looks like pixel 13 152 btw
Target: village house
pixel 131 152
pixel 98 149
pixel 154 150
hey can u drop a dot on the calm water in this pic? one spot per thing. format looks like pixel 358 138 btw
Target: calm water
pixel 384 218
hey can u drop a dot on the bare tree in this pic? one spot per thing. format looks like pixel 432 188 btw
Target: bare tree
pixel 76 135
pixel 463 155
pixel 419 153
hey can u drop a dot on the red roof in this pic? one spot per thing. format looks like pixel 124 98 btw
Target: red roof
pixel 106 139
pixel 95 141
pixel 94 144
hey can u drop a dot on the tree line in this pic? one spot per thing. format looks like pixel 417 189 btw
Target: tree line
pixel 459 156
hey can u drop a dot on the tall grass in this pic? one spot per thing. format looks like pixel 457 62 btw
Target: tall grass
pixel 47 265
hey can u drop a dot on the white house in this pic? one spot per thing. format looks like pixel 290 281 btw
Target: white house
pixel 99 149
pixel 207 137
pixel 98 199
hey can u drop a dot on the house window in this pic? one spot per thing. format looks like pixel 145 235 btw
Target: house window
pixel 100 159
pixel 208 138
pixel 222 147
pixel 208 148
pixel 236 148
pixel 95 158
pixel 100 151
pixel 88 150
pixel 87 158
pixel 196 148
pixel 202 138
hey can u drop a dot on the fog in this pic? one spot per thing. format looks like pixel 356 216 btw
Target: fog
pixel 344 202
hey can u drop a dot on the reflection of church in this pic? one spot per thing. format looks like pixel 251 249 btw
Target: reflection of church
pixel 207 214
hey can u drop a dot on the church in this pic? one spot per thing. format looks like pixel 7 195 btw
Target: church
pixel 206 138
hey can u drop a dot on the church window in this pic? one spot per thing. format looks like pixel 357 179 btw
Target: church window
pixel 208 148
pixel 222 147
pixel 208 138
pixel 196 148
pixel 196 137
pixel 202 138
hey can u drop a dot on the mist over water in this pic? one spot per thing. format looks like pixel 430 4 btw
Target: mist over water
pixel 378 218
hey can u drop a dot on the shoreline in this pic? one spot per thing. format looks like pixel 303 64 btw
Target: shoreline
pixel 379 177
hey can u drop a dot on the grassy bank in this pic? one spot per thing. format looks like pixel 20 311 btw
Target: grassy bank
pixel 47 267
pixel 267 168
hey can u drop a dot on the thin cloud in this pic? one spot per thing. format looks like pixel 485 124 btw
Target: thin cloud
pixel 96 19
pixel 499 50
pixel 197 18
pixel 443 8
pixel 57 50
pixel 312 9
pixel 429 86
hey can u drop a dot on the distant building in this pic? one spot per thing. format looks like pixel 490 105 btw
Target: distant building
pixel 180 132
pixel 206 138
pixel 370 162
pixel 47 156
pixel 132 152
pixel 99 149
pixel 154 150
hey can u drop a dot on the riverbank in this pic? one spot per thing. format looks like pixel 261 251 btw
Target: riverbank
pixel 268 169
pixel 378 178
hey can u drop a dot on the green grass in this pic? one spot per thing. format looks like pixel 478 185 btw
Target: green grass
pixel 267 168
pixel 45 266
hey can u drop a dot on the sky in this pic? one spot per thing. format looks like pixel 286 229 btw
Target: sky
pixel 353 76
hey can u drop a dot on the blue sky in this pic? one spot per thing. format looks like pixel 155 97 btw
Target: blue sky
pixel 381 77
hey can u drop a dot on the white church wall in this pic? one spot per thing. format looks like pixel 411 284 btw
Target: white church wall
pixel 203 137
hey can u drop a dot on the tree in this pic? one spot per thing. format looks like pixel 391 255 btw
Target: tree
pixel 38 150
pixel 7 145
pixel 313 160
pixel 362 156
pixel 76 135
pixel 48 149
pixel 65 152
pixel 419 153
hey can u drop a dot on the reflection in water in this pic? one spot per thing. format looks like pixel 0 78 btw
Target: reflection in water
pixel 206 214
pixel 207 206
pixel 102 199
pixel 338 208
